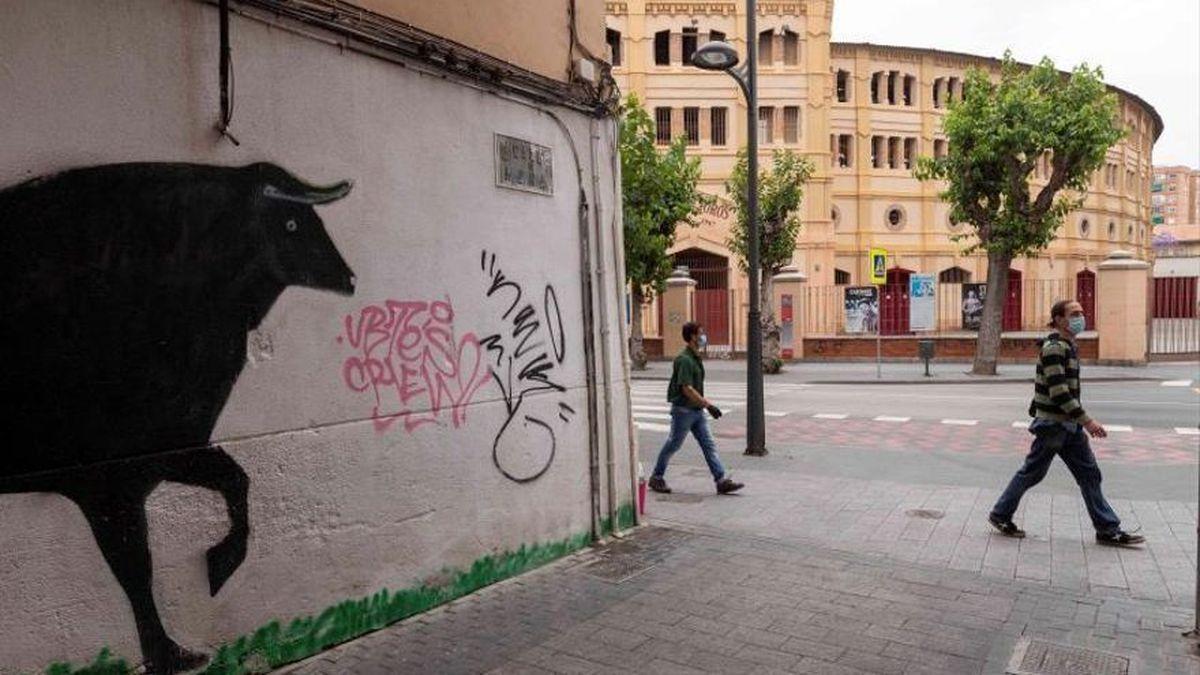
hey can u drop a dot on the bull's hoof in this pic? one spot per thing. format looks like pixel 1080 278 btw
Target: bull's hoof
pixel 223 560
pixel 175 659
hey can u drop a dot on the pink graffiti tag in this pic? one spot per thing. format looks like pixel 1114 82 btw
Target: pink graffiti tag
pixel 407 356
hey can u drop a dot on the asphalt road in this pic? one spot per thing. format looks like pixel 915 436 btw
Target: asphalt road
pixel 952 434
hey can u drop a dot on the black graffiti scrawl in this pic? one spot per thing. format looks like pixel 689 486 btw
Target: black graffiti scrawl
pixel 128 293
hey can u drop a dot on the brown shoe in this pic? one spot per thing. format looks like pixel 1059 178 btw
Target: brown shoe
pixel 659 485
pixel 726 486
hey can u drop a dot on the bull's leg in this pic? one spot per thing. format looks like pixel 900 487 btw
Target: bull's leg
pixel 118 521
pixel 211 468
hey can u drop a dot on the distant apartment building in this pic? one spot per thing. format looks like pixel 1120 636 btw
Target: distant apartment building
pixel 1175 196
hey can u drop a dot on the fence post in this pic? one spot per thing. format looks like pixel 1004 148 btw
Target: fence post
pixel 677 301
pixel 787 305
pixel 1122 292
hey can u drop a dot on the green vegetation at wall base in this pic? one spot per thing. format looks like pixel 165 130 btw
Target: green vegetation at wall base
pixel 276 643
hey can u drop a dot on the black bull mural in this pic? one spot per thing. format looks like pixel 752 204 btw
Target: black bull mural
pixel 128 292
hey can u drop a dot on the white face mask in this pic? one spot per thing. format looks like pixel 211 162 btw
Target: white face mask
pixel 1077 324
pixel 703 340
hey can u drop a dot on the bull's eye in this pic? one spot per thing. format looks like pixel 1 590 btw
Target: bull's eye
pixel 291 226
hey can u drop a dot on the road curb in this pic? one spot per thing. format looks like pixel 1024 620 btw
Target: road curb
pixel 998 380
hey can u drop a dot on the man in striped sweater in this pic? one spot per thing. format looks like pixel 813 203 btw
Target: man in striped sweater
pixel 1061 427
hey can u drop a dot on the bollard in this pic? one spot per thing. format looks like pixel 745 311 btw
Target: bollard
pixel 925 351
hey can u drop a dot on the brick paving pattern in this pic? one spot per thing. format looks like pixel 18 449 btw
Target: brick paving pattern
pixel 734 602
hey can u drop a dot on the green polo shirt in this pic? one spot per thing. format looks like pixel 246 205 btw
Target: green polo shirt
pixel 688 370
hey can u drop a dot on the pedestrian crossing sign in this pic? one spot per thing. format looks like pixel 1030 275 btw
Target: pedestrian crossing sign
pixel 878 266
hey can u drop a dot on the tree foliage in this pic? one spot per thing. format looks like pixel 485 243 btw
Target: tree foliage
pixel 658 191
pixel 997 134
pixel 780 192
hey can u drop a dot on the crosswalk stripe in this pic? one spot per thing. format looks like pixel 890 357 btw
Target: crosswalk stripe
pixel 1020 425
pixel 652 408
pixel 1177 383
pixel 961 423
pixel 1188 431
pixel 889 418
pixel 651 416
pixel 830 416
pixel 774 413
pixel 650 426
pixel 1118 427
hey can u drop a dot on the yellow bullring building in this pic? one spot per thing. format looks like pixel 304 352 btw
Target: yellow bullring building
pixel 862 113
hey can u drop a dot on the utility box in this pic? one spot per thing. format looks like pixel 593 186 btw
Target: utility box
pixel 925 351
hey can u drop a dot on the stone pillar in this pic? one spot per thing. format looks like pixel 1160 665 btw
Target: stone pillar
pixel 678 301
pixel 1122 306
pixel 789 311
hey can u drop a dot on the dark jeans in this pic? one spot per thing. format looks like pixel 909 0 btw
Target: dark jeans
pixel 1073 447
pixel 684 420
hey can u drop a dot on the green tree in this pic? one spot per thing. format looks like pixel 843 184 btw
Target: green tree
pixel 658 190
pixel 780 191
pixel 997 134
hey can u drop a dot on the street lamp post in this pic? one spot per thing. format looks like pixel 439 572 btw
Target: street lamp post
pixel 722 56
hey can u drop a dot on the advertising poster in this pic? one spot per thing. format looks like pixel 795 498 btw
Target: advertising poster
pixel 973 296
pixel 922 307
pixel 862 309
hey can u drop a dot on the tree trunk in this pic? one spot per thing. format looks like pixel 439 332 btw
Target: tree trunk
pixel 991 323
pixel 637 349
pixel 771 363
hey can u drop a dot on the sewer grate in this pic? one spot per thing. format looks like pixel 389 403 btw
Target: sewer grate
pixel 929 514
pixel 1038 657
pixel 624 559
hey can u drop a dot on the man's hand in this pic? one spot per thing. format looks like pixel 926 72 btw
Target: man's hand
pixel 714 411
pixel 1095 429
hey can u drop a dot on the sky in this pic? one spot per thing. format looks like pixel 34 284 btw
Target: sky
pixel 1150 48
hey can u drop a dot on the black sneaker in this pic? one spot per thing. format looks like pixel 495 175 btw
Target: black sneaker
pixel 1119 538
pixel 659 485
pixel 726 486
pixel 1006 527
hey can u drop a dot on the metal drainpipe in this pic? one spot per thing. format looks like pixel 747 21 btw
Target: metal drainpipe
pixel 618 239
pixel 589 357
pixel 605 333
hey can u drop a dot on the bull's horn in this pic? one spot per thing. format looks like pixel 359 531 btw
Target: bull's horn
pixel 311 194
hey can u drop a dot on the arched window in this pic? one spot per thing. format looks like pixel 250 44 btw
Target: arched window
pixel 954 275
pixel 791 48
pixel 1084 227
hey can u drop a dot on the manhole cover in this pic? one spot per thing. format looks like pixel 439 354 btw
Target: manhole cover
pixel 1038 657
pixel 931 514
pixel 618 568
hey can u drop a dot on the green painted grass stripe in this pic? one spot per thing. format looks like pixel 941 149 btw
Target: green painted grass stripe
pixel 274 645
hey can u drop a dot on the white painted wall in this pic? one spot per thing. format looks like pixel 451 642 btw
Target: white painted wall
pixel 338 509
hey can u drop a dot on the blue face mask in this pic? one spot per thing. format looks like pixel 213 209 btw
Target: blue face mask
pixel 703 341
pixel 1077 324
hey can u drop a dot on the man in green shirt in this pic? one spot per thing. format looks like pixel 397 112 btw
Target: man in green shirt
pixel 686 394
pixel 1061 427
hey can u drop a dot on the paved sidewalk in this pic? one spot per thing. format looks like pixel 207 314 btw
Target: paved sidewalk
pixel 814 372
pixel 669 600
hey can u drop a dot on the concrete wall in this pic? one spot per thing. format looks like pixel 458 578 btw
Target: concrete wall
pixel 366 467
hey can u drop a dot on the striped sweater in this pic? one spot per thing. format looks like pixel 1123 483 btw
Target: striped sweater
pixel 1056 386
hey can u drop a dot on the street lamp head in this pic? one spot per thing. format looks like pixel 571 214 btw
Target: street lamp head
pixel 715 55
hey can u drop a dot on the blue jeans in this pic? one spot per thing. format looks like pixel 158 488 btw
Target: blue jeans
pixel 1073 447
pixel 684 420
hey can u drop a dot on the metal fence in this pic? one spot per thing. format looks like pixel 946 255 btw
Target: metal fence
pixel 1175 312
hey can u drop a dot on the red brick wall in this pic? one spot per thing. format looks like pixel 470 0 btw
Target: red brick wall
pixel 949 348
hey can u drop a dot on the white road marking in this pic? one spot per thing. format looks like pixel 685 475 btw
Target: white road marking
pixel 774 413
pixel 1118 427
pixel 888 418
pixel 1188 431
pixel 651 416
pixel 961 423
pixel 650 426
pixel 830 416
pixel 1021 425
pixel 1177 383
